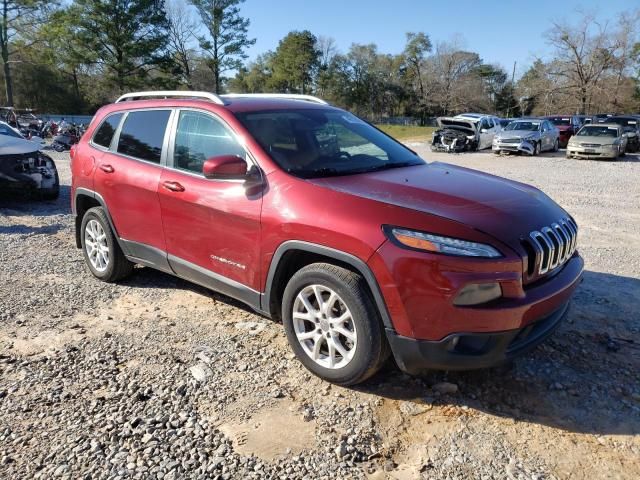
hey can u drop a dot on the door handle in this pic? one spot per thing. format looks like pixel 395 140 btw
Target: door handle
pixel 106 168
pixel 173 186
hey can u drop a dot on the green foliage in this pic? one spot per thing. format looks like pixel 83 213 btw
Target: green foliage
pixel 125 40
pixel 295 62
pixel 228 36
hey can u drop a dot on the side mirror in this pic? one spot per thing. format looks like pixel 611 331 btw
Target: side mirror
pixel 225 167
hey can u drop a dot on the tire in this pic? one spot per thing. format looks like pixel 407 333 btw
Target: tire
pixel 51 193
pixel 556 145
pixel 536 149
pixel 367 350
pixel 116 265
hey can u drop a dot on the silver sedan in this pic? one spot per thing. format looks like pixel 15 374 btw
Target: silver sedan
pixel 530 136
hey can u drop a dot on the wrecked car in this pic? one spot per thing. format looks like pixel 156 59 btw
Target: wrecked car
pixel 464 132
pixel 25 169
pixel 530 136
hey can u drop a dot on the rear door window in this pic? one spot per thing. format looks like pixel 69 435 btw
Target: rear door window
pixel 105 132
pixel 142 134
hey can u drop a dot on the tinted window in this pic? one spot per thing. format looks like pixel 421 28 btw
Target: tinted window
pixel 104 134
pixel 142 134
pixel 200 136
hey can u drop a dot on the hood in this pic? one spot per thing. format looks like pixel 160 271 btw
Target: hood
pixel 457 124
pixel 517 133
pixel 599 139
pixel 502 208
pixel 16 146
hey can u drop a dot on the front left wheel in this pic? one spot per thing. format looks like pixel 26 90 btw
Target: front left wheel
pixel 332 324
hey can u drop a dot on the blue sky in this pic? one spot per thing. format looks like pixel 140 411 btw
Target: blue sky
pixel 500 31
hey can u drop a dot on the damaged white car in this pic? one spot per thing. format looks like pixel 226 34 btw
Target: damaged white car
pixel 465 132
pixel 25 169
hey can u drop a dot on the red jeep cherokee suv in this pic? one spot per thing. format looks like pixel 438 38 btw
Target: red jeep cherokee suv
pixel 314 217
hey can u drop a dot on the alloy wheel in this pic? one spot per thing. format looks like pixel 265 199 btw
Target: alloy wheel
pixel 95 244
pixel 324 326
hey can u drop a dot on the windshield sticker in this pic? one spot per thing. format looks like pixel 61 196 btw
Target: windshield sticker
pixel 566 119
pixel 631 122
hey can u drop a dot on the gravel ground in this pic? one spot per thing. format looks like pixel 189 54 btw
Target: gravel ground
pixel 158 378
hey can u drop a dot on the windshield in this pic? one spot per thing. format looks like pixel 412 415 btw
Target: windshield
pixel 626 122
pixel 597 131
pixel 317 143
pixel 560 120
pixel 530 126
pixel 6 130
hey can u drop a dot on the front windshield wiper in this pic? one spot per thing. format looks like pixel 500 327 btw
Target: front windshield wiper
pixel 318 172
pixel 386 166
pixel 333 172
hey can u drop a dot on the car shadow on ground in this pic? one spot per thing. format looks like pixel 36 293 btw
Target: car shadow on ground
pixel 18 204
pixel 145 277
pixel 583 379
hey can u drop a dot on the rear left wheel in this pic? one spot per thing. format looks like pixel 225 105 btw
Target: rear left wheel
pixel 332 324
pixel 100 247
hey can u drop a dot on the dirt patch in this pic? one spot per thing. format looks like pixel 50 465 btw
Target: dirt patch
pixel 271 433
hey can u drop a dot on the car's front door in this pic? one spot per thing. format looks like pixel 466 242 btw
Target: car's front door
pixel 127 178
pixel 547 135
pixel 211 227
pixel 486 133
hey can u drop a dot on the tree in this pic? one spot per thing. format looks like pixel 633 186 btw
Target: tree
pixel 415 51
pixel 228 33
pixel 62 49
pixel 18 16
pixel 295 62
pixel 125 39
pixel 181 35
pixel 583 54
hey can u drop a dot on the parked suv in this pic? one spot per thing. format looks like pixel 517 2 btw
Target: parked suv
pixel 567 125
pixel 313 217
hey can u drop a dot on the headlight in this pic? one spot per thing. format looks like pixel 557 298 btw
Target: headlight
pixel 530 138
pixel 438 244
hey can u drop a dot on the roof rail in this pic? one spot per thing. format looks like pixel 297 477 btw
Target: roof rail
pixel 288 96
pixel 171 94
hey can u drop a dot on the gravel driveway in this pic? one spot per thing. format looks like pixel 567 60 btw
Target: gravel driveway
pixel 158 378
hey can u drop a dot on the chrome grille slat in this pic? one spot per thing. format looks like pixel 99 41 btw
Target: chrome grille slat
pixel 552 246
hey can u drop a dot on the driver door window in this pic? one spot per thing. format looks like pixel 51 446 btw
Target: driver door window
pixel 200 136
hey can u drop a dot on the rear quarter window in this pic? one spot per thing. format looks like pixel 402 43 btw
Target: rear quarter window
pixel 105 132
pixel 142 134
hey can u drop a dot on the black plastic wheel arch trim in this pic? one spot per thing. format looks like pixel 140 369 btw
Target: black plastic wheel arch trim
pixel 360 266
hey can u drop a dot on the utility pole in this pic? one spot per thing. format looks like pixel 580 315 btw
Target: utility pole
pixel 513 90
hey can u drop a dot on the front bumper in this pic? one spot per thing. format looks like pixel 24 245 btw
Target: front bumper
pixel 591 153
pixel 26 172
pixel 522 147
pixel 468 351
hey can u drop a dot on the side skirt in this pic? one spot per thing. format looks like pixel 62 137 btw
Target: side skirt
pixel 160 260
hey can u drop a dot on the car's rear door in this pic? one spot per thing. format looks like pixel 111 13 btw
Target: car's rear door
pixel 211 227
pixel 127 177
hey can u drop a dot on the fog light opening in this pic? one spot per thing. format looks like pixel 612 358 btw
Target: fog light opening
pixel 478 293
